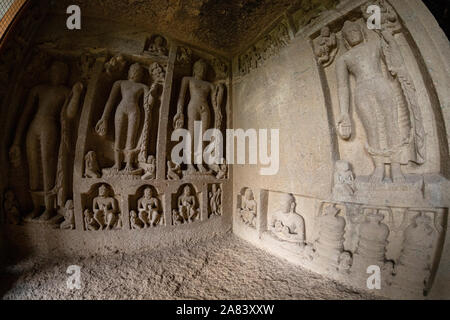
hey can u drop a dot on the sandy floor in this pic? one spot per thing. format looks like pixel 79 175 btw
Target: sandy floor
pixel 224 268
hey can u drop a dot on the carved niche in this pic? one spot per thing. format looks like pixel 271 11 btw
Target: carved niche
pixel 102 210
pixel 286 224
pixel 373 239
pixel 215 200
pixel 329 247
pixel 148 209
pixel 201 98
pixel 344 179
pixel 247 207
pixel 156 45
pixel 399 139
pixel 69 216
pixel 44 139
pixel 325 47
pixel 186 202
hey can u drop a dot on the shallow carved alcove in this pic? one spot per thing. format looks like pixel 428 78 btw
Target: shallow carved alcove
pixel 91 119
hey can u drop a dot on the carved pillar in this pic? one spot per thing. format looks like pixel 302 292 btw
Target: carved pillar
pixel 83 129
pixel 204 205
pixel 262 210
pixel 167 200
pixel 164 116
pixel 125 210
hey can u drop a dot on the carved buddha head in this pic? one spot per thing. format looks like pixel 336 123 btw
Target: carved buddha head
pixel 325 32
pixel 187 191
pixel 248 194
pixel 288 204
pixel 158 42
pixel 352 33
pixel 59 71
pixel 136 73
pixel 200 69
pixel 103 191
pixel 9 196
pixel 148 193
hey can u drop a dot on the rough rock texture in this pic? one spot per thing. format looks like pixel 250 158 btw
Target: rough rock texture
pixel 349 210
pixel 363 173
pixel 223 268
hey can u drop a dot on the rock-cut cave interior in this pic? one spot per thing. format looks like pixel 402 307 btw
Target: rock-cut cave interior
pixel 239 149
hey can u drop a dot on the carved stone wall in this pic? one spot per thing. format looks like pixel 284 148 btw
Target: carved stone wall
pixel 343 96
pixel 88 141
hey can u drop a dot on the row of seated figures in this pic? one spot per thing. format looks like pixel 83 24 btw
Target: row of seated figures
pixel 105 213
pixel 348 238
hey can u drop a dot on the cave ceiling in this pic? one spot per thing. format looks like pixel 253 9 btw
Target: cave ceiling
pixel 223 26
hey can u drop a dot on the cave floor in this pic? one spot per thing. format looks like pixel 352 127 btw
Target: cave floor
pixel 222 268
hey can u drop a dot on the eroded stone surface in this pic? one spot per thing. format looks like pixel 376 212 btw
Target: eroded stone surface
pixel 224 268
pixel 364 164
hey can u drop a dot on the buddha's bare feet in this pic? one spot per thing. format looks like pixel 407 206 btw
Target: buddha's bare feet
pixel 128 169
pixel 377 175
pixel 115 169
pixel 397 175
